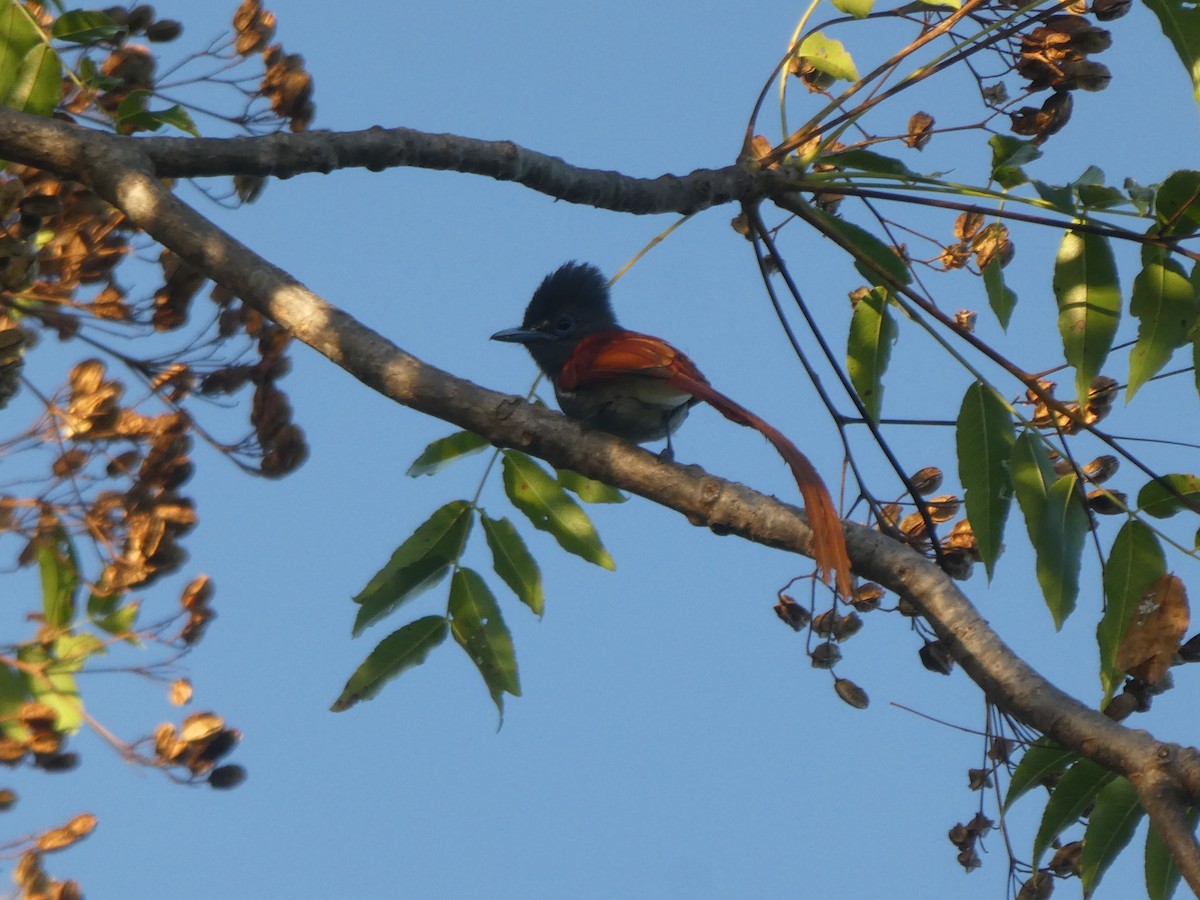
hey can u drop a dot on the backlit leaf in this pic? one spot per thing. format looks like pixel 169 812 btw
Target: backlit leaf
pixel 59 569
pixel 1072 795
pixel 1180 22
pixel 477 625
pixel 1177 204
pixel 984 435
pixel 513 562
pixel 443 451
pixel 85 26
pixel 1001 298
pixel 1041 762
pixel 829 56
pixel 588 489
pixel 395 654
pixel 417 564
pixel 1033 476
pixel 1061 532
pixel 1135 561
pixel 17 38
pixel 869 348
pixel 1089 303
pixel 550 508
pixel 1110 828
pixel 858 8
pixel 1164 303
pixel 1163 500
pixel 38 84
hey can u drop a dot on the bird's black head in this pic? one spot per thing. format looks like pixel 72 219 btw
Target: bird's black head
pixel 568 305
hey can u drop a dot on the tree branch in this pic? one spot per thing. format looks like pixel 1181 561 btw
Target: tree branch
pixel 118 171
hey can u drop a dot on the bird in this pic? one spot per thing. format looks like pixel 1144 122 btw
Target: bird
pixel 640 388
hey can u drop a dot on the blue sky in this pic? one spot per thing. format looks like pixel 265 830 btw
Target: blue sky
pixel 672 740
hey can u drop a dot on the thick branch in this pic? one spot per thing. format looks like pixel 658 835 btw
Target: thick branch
pixel 118 171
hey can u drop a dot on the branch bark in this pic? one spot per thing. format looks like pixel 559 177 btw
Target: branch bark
pixel 1167 775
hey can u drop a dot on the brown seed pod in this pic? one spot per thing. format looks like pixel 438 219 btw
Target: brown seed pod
pixel 792 613
pixel 927 480
pixel 851 693
pixel 866 597
pixel 825 655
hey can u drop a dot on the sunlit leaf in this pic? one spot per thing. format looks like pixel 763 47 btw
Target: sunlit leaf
pixel 1135 561
pixel 549 508
pixel 17 38
pixel 1162 500
pixel 512 561
pixel 1089 303
pixel 1060 538
pixel 588 489
pixel 1180 22
pixel 829 56
pixel 479 628
pixel 176 117
pixel 867 161
pixel 869 348
pixel 1001 298
pixel 395 654
pixel 417 564
pixel 38 84
pixel 1032 476
pixel 1110 828
pixel 1164 303
pixel 443 451
pixel 1043 761
pixel 55 686
pixel 885 268
pixel 984 435
pixel 860 9
pixel 1072 795
pixel 14 691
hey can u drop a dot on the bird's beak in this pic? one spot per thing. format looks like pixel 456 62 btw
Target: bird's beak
pixel 521 336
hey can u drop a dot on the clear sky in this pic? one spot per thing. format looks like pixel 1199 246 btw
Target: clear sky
pixel 673 740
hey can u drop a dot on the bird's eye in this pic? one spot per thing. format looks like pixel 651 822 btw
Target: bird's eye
pixel 564 325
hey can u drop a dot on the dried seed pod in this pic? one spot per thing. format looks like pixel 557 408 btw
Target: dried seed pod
pixel 965 228
pixel 1001 750
pixel 978 779
pixel 1107 503
pixel 226 777
pixel 1100 469
pixel 7 799
pixel 927 480
pixel 913 528
pixel 823 624
pixel 1107 10
pixel 825 655
pixel 936 658
pixel 1121 707
pixel 851 693
pixel 920 129
pixel 1190 651
pixel 965 319
pixel 888 516
pixel 1066 860
pixel 944 508
pixel 866 597
pixel 200 726
pixel 845 627
pixel 792 613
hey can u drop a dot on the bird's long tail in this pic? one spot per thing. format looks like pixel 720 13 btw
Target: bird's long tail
pixel 829 539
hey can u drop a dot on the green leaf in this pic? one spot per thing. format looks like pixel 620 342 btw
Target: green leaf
pixel 53 684
pixel 549 508
pixel 1099 196
pixel 1180 22
pixel 1008 155
pixel 985 436
pixel 1135 562
pixel 1089 303
pixel 1060 196
pixel 417 564
pixel 1110 828
pixel 860 9
pixel 1033 476
pixel 588 489
pixel 1076 789
pixel 869 348
pixel 512 561
pixel 1177 204
pixel 1061 533
pixel 38 84
pixel 1001 298
pixel 875 260
pixel 176 117
pixel 1162 877
pixel 479 628
pixel 395 654
pixel 444 451
pixel 829 56
pixel 59 569
pixel 17 38
pixel 868 161
pixel 1140 196
pixel 1164 303
pixel 85 26
pixel 1043 760
pixel 1158 500
pixel 14 691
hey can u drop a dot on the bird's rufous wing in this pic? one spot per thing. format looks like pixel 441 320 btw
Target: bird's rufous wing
pixel 617 353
